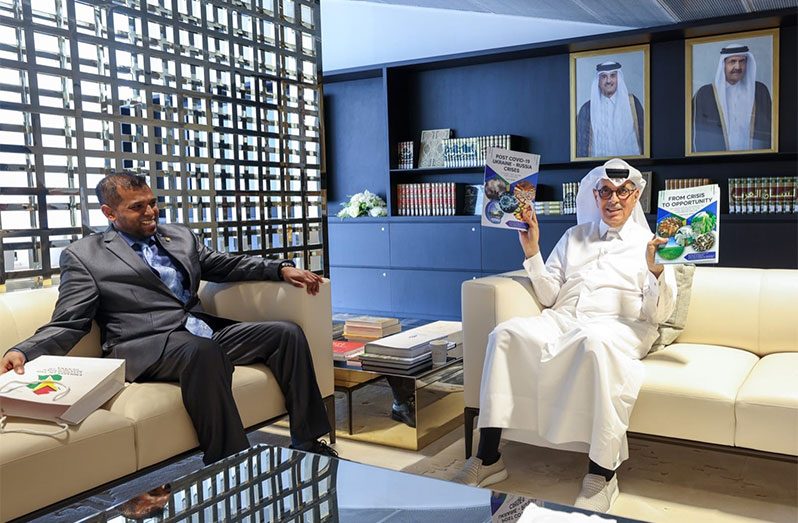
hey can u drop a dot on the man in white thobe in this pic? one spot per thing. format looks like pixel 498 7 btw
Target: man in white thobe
pixel 569 377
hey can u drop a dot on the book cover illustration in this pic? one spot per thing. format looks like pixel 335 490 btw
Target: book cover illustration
pixel 511 180
pixel 690 220
pixel 431 152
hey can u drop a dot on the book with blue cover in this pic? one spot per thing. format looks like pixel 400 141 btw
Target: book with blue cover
pixel 511 180
pixel 690 220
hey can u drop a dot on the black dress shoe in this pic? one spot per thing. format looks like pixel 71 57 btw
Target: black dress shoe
pixel 319 447
pixel 404 412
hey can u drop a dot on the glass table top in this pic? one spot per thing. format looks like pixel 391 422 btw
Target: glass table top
pixel 266 483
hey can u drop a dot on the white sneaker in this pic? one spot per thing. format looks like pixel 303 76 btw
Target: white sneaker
pixel 476 474
pixel 597 493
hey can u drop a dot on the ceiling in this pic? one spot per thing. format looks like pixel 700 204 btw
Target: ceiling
pixel 629 13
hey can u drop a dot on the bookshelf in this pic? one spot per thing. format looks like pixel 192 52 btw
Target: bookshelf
pixel 417 264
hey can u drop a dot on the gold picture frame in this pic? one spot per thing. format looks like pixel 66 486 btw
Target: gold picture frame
pixel 634 69
pixel 706 130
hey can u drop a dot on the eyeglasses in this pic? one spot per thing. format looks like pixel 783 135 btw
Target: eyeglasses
pixel 623 192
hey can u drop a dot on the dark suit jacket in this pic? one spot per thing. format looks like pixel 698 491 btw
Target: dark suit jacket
pixel 103 279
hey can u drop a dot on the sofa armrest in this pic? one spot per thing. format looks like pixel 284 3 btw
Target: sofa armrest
pixel 279 301
pixel 486 302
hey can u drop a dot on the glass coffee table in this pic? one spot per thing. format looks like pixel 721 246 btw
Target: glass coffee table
pixel 267 483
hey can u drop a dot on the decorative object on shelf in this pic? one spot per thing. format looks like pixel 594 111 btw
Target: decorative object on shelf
pixel 609 103
pixel 432 147
pixel 470 152
pixel 732 93
pixel 364 203
pixel 511 180
pixel 405 155
pixel 690 220
pixel 473 199
pixel 645 196
pixel 771 195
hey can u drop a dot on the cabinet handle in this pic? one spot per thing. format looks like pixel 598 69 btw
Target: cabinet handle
pixel 473 229
pixel 382 229
pixel 384 275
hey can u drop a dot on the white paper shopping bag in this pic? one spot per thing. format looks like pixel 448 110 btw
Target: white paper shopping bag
pixel 62 389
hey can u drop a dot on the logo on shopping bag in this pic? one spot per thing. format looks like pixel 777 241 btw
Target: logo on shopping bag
pixel 47 383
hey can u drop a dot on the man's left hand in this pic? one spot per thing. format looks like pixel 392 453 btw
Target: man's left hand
pixel 655 268
pixel 302 278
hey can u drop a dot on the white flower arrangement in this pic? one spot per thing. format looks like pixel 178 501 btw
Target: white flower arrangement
pixel 364 203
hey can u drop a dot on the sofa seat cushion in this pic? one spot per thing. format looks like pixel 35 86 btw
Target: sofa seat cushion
pixel 163 428
pixel 36 471
pixel 690 390
pixel 767 405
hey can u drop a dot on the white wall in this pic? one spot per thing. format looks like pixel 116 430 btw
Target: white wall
pixel 356 33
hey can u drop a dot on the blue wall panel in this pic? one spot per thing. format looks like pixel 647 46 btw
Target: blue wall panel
pixel 360 288
pixel 358 244
pixel 428 293
pixel 435 245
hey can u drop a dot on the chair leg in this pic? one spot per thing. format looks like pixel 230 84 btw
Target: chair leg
pixel 469 415
pixel 329 404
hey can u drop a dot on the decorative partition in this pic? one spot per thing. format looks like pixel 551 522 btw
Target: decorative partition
pixel 216 102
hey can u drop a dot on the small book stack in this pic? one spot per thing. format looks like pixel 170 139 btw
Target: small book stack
pixel 470 152
pixel 405 155
pixel 370 328
pixel 569 191
pixel 549 207
pixel 409 352
pixel 347 350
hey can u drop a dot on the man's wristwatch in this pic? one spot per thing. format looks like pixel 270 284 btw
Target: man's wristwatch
pixel 284 263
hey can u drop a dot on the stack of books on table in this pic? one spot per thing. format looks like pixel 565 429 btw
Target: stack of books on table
pixel 369 328
pixel 408 352
pixel 347 351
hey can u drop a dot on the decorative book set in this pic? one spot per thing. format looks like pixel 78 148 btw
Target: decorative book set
pixel 777 195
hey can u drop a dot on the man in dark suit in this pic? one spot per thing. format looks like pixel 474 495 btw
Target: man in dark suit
pixel 139 281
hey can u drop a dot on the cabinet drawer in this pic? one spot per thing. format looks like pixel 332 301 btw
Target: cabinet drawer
pixel 358 244
pixel 432 293
pixel 435 245
pixel 360 288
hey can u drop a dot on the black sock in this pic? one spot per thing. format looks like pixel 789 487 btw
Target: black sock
pixel 489 439
pixel 595 468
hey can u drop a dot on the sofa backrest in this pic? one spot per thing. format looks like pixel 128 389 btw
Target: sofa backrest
pixel 751 309
pixel 22 312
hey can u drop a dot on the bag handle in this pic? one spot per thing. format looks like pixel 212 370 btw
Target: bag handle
pixel 4 430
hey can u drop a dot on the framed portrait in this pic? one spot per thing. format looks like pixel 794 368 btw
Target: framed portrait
pixel 609 103
pixel 732 93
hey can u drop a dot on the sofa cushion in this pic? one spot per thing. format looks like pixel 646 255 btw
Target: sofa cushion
pixel 767 406
pixel 163 428
pixel 36 471
pixel 689 392
pixel 670 329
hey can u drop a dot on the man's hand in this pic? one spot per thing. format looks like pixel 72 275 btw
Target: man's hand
pixel 302 278
pixel 530 238
pixel 13 359
pixel 655 268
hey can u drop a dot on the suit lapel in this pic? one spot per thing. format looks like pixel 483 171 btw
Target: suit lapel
pixel 119 247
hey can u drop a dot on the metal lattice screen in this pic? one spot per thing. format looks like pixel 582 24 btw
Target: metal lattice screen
pixel 216 102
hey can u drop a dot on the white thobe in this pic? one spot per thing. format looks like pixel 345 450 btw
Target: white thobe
pixel 569 377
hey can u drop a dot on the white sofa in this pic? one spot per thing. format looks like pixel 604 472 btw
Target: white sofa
pixel 730 378
pixel 145 423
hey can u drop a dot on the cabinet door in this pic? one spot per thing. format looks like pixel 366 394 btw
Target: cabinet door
pixel 358 244
pixel 362 289
pixel 434 245
pixel 434 294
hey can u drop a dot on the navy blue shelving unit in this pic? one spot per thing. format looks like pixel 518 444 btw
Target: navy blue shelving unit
pixel 414 266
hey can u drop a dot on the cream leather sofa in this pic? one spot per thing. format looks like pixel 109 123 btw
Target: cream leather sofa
pixel 146 422
pixel 730 378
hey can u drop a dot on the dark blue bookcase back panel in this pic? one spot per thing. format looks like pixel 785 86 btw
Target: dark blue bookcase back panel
pixel 362 289
pixel 358 244
pixel 356 136
pixel 434 294
pixel 435 246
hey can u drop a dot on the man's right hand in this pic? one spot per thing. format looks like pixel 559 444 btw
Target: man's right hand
pixel 530 238
pixel 12 359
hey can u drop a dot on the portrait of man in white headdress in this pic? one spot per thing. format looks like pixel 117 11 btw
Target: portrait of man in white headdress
pixel 609 93
pixel 732 110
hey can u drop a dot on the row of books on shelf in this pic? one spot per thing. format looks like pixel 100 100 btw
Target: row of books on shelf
pixel 776 195
pixel 426 199
pixel 685 183
pixel 470 152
